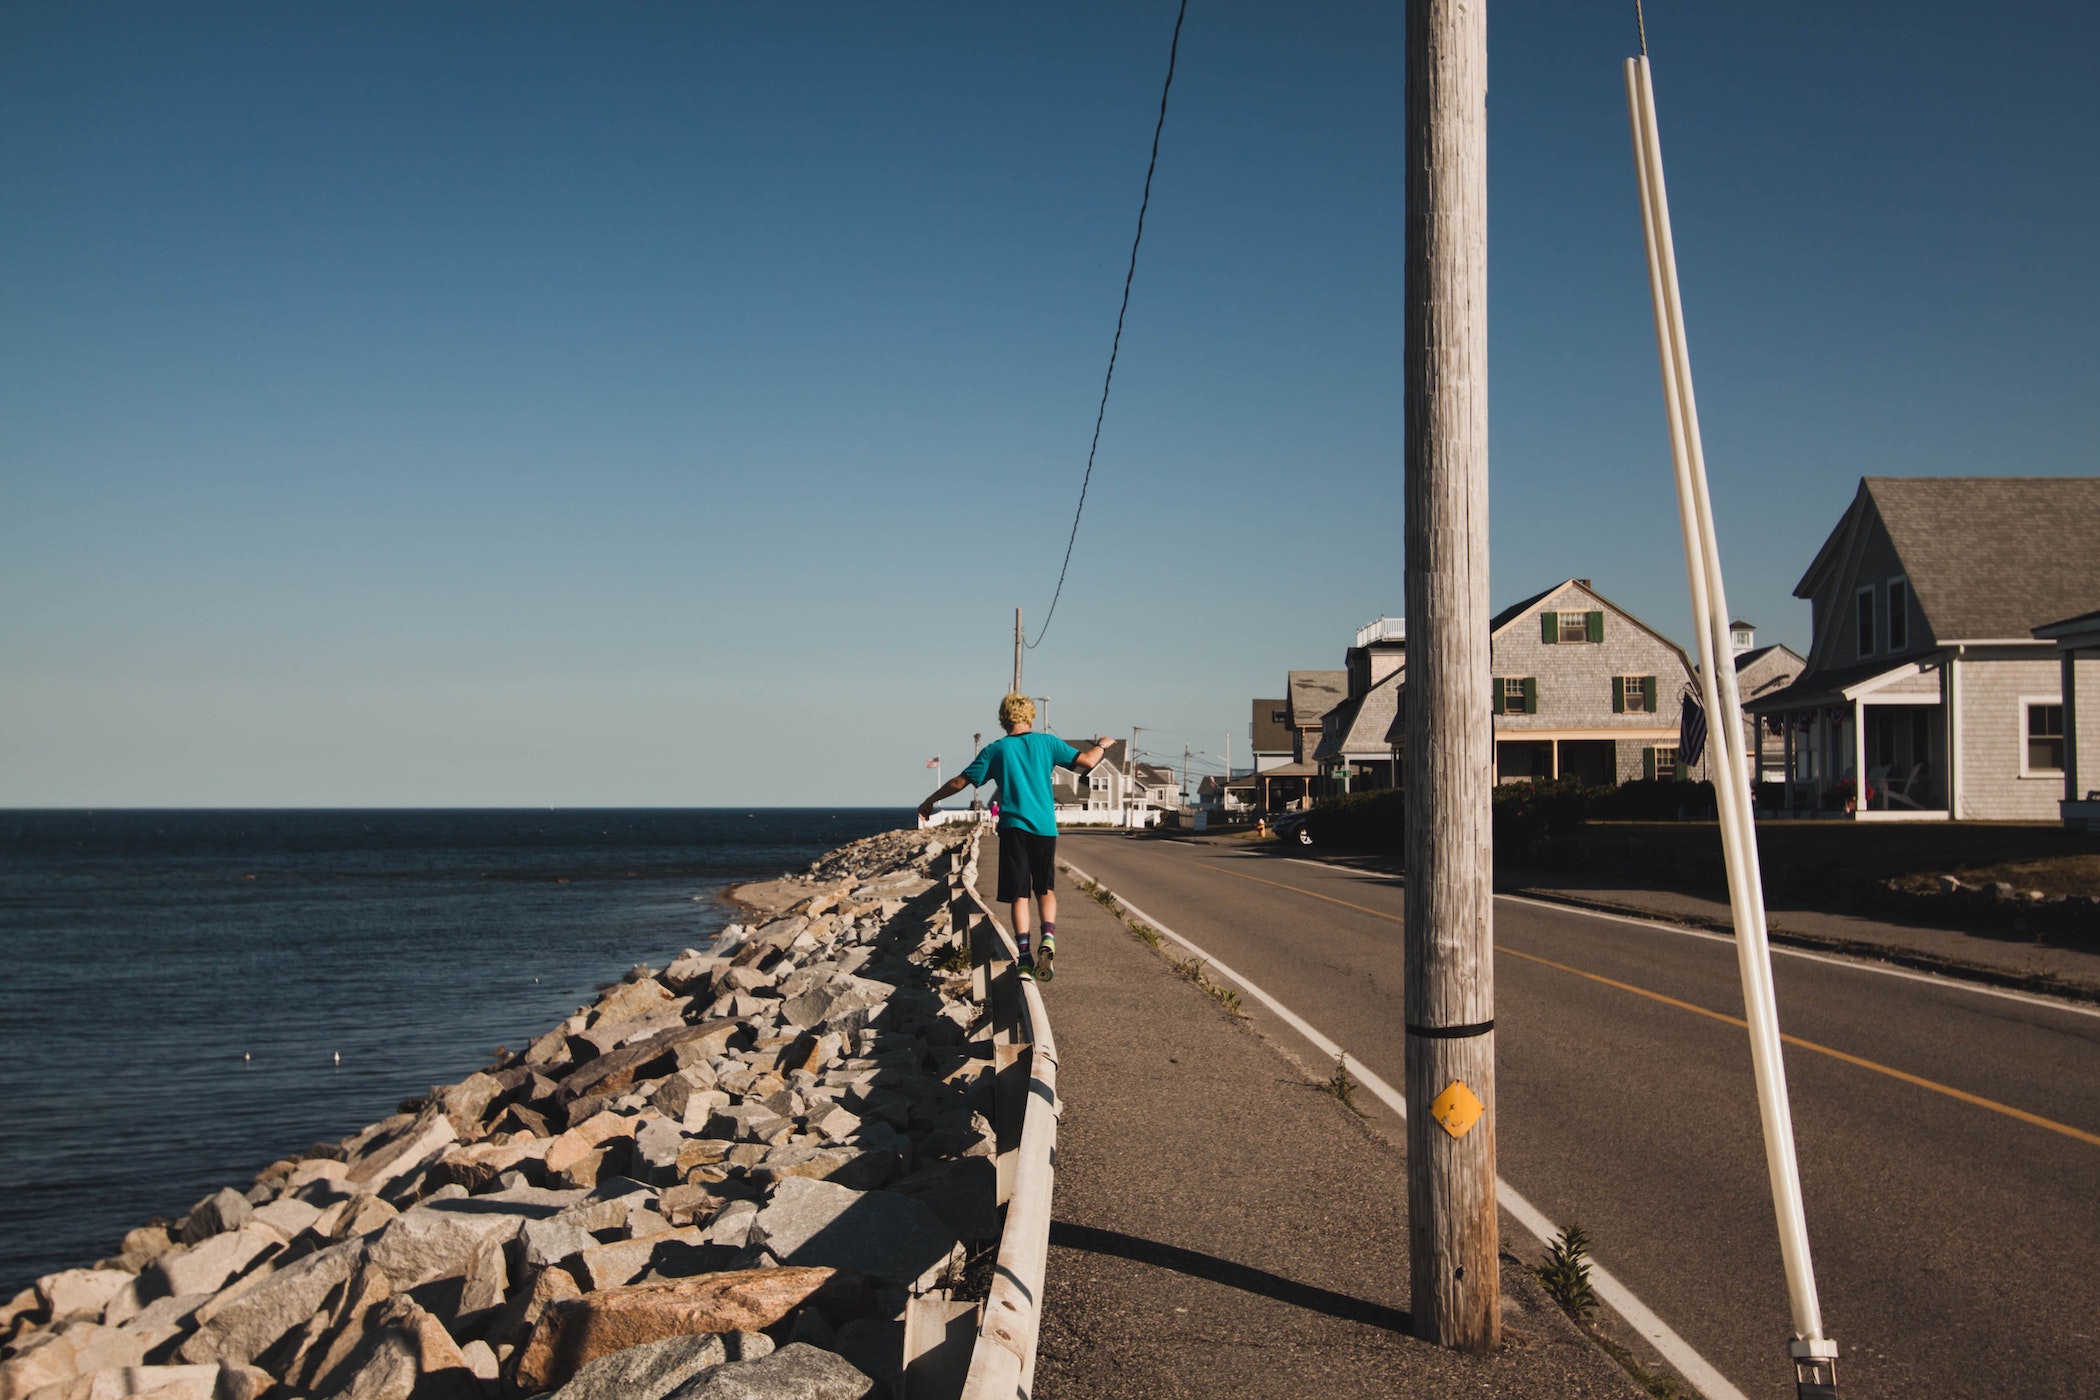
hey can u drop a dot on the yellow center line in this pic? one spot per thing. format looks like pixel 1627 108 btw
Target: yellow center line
pixel 1876 1066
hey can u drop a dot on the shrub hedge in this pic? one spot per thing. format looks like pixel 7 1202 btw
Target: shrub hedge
pixel 1524 813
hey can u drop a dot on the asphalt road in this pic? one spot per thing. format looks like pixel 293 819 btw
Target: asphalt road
pixel 1955 1243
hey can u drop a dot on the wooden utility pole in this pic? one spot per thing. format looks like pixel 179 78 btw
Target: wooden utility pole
pixel 1017 652
pixel 1450 999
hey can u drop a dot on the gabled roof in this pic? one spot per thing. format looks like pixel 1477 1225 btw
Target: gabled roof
pixel 1154 775
pixel 1511 613
pixel 1314 693
pixel 1360 725
pixel 1988 557
pixel 1812 688
pixel 1516 610
pixel 1751 658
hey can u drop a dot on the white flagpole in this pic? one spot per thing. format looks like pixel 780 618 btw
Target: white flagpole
pixel 1814 1354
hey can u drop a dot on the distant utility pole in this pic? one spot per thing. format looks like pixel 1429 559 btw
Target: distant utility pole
pixel 1017 653
pixel 1130 779
pixel 1450 996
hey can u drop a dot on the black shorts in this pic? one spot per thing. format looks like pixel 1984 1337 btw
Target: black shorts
pixel 1027 864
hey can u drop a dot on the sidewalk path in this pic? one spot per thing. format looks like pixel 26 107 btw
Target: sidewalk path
pixel 1223 1228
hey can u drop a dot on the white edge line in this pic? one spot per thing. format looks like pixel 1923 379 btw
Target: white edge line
pixel 1674 1349
pixel 1858 963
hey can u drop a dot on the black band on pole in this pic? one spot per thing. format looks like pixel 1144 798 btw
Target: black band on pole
pixel 1451 1032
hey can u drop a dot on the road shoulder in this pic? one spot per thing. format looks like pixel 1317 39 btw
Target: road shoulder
pixel 1222 1226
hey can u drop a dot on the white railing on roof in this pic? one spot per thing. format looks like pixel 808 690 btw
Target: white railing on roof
pixel 1383 629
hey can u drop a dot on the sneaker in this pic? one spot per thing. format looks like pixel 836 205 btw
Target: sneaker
pixel 1045 957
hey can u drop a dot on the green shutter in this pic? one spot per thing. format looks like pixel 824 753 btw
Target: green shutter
pixel 1531 695
pixel 1593 624
pixel 1500 709
pixel 1648 764
pixel 1618 695
pixel 1648 692
pixel 1549 627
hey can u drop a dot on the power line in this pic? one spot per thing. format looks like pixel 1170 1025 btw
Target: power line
pixel 1173 51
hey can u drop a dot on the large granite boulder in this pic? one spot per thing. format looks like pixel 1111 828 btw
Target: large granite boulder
pixel 655 1369
pixel 577 1331
pixel 796 1372
pixel 877 1233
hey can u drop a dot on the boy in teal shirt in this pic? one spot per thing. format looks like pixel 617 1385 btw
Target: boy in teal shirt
pixel 1021 765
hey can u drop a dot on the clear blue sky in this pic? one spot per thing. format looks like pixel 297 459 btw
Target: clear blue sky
pixel 669 404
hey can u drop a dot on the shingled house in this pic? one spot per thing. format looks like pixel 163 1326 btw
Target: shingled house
pixel 1354 752
pixel 1926 674
pixel 1584 689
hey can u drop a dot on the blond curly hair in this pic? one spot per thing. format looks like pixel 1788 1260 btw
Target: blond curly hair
pixel 1015 711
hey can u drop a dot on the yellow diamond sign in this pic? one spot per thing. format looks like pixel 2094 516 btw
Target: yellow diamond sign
pixel 1457 1108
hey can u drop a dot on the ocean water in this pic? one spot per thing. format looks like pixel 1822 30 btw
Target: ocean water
pixel 175 986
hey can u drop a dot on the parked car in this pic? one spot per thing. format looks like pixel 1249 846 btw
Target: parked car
pixel 1291 827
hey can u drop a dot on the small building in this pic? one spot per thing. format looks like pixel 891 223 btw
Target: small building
pixel 1930 690
pixel 1761 671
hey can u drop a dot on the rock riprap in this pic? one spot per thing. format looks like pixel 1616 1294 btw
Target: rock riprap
pixel 723 1179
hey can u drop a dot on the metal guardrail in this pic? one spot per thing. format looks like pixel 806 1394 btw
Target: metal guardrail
pixel 1024 1067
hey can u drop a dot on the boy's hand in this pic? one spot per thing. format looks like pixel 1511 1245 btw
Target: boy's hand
pixel 1102 742
pixel 925 810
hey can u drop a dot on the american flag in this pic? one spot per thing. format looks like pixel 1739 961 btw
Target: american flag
pixel 1691 731
pixel 934 762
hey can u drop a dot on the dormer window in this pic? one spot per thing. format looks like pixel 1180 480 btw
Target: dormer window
pixel 1865 612
pixel 1899 614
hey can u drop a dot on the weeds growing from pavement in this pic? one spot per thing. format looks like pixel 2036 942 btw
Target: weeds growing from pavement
pixel 1566 1273
pixel 1566 1278
pixel 1341 1088
pixel 1225 996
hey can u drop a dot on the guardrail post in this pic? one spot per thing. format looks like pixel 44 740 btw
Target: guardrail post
pixel 939 1335
pixel 1011 1065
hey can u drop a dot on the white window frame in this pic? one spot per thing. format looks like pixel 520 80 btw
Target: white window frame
pixel 1629 693
pixel 1861 642
pixel 1676 765
pixel 1890 614
pixel 1506 682
pixel 1581 631
pixel 2055 775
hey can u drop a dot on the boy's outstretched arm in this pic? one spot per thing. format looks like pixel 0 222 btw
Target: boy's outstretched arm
pixel 948 789
pixel 1089 757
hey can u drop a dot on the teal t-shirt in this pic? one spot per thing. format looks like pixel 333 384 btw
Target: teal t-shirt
pixel 1020 764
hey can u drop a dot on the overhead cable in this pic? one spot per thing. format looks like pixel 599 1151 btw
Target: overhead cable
pixel 1173 51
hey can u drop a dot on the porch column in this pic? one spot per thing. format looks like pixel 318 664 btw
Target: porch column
pixel 1786 744
pixel 1556 759
pixel 1757 774
pixel 2070 691
pixel 1950 708
pixel 1859 757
